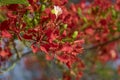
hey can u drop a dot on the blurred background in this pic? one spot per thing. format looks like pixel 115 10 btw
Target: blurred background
pixel 35 67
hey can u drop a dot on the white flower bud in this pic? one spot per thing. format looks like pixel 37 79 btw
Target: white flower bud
pixel 57 10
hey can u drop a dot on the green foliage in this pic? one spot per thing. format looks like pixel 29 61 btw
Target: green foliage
pixel 75 34
pixel 114 13
pixel 6 2
pixel 43 7
pixel 118 26
pixel 65 26
pixel 2 17
pixel 31 20
pixel 79 12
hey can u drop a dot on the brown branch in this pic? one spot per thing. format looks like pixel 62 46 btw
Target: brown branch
pixel 101 44
pixel 14 61
pixel 30 52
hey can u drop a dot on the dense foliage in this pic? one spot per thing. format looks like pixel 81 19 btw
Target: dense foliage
pixel 60 29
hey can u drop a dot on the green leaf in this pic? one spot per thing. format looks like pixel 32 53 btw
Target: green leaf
pixel 7 2
pixel 53 11
pixel 2 17
pixel 35 21
pixel 75 34
pixel 65 26
pixel 79 12
pixel 67 40
pixel 43 7
pixel 114 13
pixel 85 19
pixel 118 26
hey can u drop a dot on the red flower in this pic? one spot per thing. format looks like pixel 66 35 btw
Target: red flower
pixel 5 53
pixel 4 25
pixel 103 22
pixel 59 2
pixel 6 34
pixel 27 36
pixel 13 7
pixel 34 48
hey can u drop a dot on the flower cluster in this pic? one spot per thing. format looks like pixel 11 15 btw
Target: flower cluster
pixel 61 29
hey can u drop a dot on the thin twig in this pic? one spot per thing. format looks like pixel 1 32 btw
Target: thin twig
pixel 13 62
pixel 30 52
pixel 101 44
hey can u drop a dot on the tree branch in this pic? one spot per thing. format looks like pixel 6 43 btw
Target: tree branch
pixel 101 44
pixel 14 61
pixel 30 52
